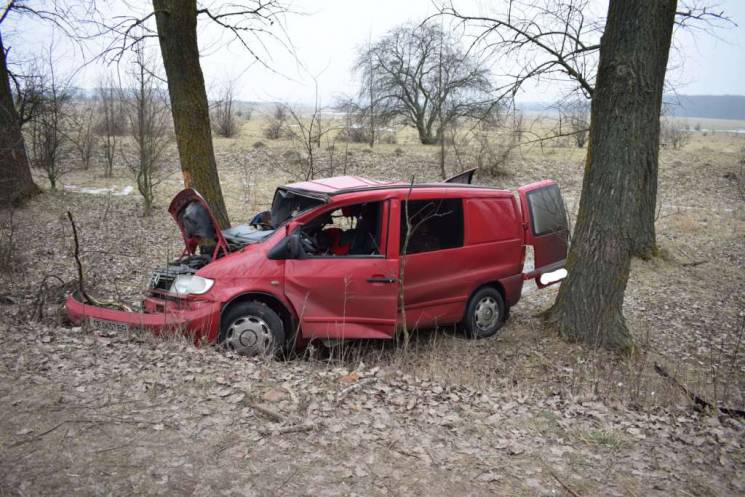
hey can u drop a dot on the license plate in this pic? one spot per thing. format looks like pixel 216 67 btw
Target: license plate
pixel 103 325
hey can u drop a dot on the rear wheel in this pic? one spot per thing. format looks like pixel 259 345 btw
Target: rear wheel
pixel 252 329
pixel 485 313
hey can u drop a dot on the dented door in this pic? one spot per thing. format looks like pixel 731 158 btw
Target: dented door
pixel 546 229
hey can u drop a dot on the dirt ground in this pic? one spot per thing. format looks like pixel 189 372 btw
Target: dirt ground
pixel 86 412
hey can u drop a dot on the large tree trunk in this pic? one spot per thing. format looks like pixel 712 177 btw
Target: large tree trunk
pixel 620 182
pixel 177 32
pixel 16 183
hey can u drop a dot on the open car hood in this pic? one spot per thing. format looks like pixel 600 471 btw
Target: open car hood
pixel 198 225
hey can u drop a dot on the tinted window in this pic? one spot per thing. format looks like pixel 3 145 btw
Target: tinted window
pixel 436 224
pixel 547 210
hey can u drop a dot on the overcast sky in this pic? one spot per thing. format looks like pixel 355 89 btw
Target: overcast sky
pixel 328 33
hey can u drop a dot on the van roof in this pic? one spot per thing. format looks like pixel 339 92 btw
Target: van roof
pixel 347 184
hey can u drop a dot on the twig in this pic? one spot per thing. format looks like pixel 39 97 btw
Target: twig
pixel 693 263
pixel 292 429
pixel 563 485
pixel 81 286
pixel 85 420
pixel 352 387
pixel 269 413
pixel 697 399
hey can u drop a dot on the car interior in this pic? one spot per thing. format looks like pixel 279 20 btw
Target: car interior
pixel 349 231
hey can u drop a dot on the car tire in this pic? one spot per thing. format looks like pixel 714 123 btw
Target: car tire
pixel 485 313
pixel 252 329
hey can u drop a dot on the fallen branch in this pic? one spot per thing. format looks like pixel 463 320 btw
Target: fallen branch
pixel 697 399
pixel 693 263
pixel 353 387
pixel 81 288
pixel 291 429
pixel 269 413
pixel 563 485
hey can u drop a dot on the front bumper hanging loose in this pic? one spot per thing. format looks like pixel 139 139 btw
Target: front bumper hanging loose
pixel 199 319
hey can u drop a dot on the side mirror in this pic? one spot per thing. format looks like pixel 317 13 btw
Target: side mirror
pixel 290 247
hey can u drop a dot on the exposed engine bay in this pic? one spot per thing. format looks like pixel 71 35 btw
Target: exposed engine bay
pixel 205 242
pixel 165 278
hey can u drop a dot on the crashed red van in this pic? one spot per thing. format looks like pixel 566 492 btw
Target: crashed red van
pixel 328 260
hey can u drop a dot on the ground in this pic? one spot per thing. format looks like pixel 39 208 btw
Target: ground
pixel 87 412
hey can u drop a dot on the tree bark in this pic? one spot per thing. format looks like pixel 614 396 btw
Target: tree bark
pixel 16 183
pixel 616 212
pixel 177 31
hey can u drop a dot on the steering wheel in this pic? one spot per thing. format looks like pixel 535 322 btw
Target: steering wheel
pixel 308 244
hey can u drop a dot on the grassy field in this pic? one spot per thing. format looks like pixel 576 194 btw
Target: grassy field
pixel 523 413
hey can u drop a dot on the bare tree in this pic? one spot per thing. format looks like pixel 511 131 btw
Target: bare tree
pixel 111 124
pixel 307 131
pixel 622 158
pixel 224 120
pixel 617 206
pixel 16 183
pixel 561 40
pixel 46 127
pixel 81 134
pixel 673 134
pixel 576 114
pixel 518 124
pixel 355 126
pixel 277 123
pixel 420 76
pixel 148 120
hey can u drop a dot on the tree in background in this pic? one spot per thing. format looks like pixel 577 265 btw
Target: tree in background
pixel 421 76
pixel 147 114
pixel 277 123
pixel 111 123
pixel 576 114
pixel 82 135
pixel 560 40
pixel 46 126
pixel 224 120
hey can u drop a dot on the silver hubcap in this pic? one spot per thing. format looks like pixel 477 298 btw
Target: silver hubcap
pixel 249 335
pixel 486 314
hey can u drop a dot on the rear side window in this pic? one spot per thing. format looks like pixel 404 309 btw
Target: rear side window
pixel 436 224
pixel 547 210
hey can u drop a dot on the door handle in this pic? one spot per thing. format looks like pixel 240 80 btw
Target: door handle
pixel 381 279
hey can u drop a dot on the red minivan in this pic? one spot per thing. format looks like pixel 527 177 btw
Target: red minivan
pixel 326 263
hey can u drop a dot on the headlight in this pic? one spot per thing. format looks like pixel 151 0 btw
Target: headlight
pixel 185 284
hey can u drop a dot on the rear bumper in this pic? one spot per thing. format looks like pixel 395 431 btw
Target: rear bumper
pixel 200 319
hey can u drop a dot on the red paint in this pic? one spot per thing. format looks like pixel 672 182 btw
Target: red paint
pixel 336 297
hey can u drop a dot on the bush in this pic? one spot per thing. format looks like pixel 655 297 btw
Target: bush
pixel 273 131
pixel 673 134
pixel 292 157
pixel 387 136
pixel 354 134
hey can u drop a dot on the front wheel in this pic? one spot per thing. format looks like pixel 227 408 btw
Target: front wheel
pixel 252 329
pixel 485 313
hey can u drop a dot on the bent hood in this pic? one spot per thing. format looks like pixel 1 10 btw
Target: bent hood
pixel 198 225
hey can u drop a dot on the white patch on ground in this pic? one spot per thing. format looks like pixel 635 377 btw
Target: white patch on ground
pixel 99 191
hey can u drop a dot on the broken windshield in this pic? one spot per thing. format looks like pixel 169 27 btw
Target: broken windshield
pixel 287 204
